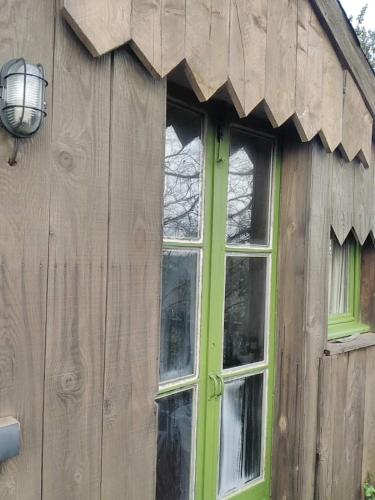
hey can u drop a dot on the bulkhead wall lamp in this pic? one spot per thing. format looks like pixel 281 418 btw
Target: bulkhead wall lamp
pixel 22 100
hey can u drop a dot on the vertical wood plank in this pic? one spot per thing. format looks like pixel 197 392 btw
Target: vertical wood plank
pixel 356 125
pixel 309 79
pixel 77 273
pixel 24 200
pixel 342 197
pixel 158 34
pixel 368 285
pixel 135 232
pixel 363 200
pixel 288 412
pixel 207 45
pixel 316 311
pixel 101 25
pixel 368 464
pixel 302 317
pixel 247 54
pixel 332 98
pixel 325 435
pixel 281 61
pixel 351 473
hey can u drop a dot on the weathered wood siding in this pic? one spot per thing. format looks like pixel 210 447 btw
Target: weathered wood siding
pixel 346 437
pixel 319 192
pixel 80 250
pixel 80 245
pixel 273 53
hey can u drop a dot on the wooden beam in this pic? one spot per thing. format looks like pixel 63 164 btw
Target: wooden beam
pixel 346 44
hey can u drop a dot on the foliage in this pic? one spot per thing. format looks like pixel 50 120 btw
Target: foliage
pixel 365 36
pixel 369 488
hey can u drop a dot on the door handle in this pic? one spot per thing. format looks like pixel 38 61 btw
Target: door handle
pixel 216 389
pixel 218 386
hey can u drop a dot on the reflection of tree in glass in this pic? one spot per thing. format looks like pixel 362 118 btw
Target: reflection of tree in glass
pixel 178 314
pixel 244 310
pixel 183 164
pixel 240 197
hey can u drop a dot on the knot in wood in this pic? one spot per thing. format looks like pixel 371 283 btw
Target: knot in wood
pixel 66 160
pixel 71 383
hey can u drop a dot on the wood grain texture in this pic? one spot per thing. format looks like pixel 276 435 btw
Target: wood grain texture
pixel 207 45
pixel 316 312
pixel 345 42
pixel 158 34
pixel 289 382
pixel 77 273
pixel 247 54
pixel 332 103
pixel 368 285
pixel 24 200
pixel 368 463
pixel 341 426
pixel 135 231
pixel 342 197
pixel 309 79
pixel 101 25
pixel 303 316
pixel 355 118
pixel 281 53
pixel 281 61
pixel 363 341
pixel 364 198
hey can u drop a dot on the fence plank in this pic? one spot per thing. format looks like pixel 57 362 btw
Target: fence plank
pixel 77 273
pixel 132 346
pixel 24 200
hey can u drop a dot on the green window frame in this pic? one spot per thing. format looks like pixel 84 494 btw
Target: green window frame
pixel 209 378
pixel 349 323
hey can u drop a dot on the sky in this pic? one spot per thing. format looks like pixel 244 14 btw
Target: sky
pixel 353 8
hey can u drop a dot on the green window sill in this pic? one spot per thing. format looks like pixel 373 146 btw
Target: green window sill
pixel 346 329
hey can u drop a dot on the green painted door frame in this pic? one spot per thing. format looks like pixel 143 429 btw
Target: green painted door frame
pixel 211 376
pixel 213 290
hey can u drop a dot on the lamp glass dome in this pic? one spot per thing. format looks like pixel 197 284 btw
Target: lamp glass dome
pixel 22 107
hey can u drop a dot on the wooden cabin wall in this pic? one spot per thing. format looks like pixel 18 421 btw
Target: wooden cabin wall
pixel 321 192
pixel 80 246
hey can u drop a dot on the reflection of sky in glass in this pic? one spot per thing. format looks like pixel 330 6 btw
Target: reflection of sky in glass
pixel 182 189
pixel 240 197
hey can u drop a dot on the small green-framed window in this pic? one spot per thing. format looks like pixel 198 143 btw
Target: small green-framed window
pixel 344 288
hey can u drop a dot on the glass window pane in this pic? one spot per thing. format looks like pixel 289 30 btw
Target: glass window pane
pixel 245 310
pixel 339 272
pixel 249 189
pixel 183 174
pixel 174 446
pixel 178 314
pixel 241 433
